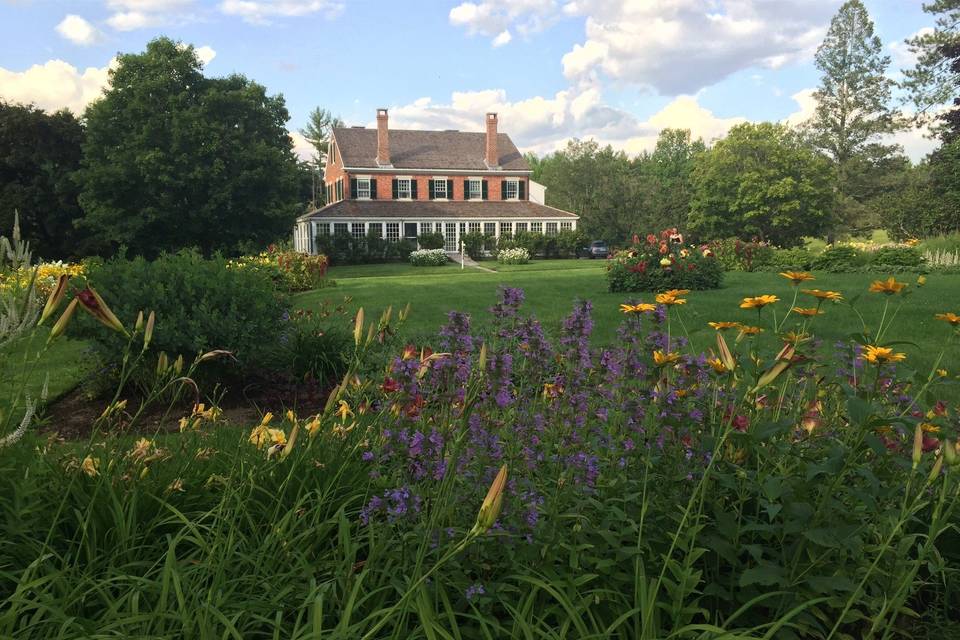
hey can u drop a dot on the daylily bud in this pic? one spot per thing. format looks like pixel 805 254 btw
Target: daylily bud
pixel 950 453
pixel 937 467
pixel 162 363
pixel 386 315
pixel 358 327
pixel 783 362
pixel 726 356
pixel 483 357
pixel 61 325
pixel 490 509
pixel 216 353
pixel 178 364
pixel 370 334
pixel 917 445
pixel 148 333
pixel 331 399
pixel 402 316
pixel 55 298
pixel 289 446
pixel 139 323
pixel 95 306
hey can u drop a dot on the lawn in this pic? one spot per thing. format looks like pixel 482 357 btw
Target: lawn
pixel 61 369
pixel 551 286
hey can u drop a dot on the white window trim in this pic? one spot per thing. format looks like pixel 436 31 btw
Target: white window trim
pixel 360 179
pixel 470 182
pixel 409 182
pixel 444 179
pixel 516 188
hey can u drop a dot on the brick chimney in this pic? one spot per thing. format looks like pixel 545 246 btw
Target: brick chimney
pixel 492 157
pixel 383 139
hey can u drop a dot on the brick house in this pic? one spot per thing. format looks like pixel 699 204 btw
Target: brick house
pixel 400 183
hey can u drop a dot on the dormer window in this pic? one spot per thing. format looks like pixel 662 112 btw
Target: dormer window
pixel 511 189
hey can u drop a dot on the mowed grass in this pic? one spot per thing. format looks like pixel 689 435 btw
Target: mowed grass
pixel 61 368
pixel 552 286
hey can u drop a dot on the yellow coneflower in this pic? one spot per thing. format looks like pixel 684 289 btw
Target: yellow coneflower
pixel 642 307
pixel 804 311
pixel 888 286
pixel 758 302
pixel 661 358
pixel 949 317
pixel 750 331
pixel 881 355
pixel 832 296
pixel 670 298
pixel 723 326
pixel 796 277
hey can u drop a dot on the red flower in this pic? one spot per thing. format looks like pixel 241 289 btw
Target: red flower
pixel 389 385
pixel 651 239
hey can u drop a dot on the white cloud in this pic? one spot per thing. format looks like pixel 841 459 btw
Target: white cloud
pixel 493 17
pixel 55 85
pixel 261 11
pixel 806 107
pixel 900 53
pixel 502 38
pixel 129 15
pixel 301 146
pixel 78 31
pixel 681 46
pixel 544 124
pixel 205 54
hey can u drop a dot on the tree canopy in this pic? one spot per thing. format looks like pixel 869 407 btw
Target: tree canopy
pixel 761 181
pixel 173 159
pixel 39 154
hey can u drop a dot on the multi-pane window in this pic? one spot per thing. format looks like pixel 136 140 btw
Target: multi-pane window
pixel 393 231
pixel 404 191
pixel 551 228
pixel 521 227
pixel 363 188
pixel 426 227
pixel 376 228
pixel 474 227
pixel 340 227
pixel 463 229
pixel 439 188
pixel 511 189
pixel 506 228
pixel 339 189
pixel 438 228
pixel 357 230
pixel 323 228
pixel 566 226
pixel 476 189
pixel 489 228
pixel 536 227
pixel 450 237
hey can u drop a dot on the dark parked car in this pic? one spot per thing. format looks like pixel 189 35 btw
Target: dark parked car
pixel 596 249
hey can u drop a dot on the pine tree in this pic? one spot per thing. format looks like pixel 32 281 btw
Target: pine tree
pixel 853 100
pixel 935 80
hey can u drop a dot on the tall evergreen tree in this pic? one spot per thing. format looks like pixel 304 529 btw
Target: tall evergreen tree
pixel 853 100
pixel 317 132
pixel 935 80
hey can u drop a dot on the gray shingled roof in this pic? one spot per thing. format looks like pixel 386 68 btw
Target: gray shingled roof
pixel 426 149
pixel 411 209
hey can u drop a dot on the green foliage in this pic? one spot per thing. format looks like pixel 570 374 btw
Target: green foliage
pixel 737 255
pixel 39 156
pixel 935 79
pixel 795 259
pixel 201 304
pixel 431 240
pixel 761 181
pixel 320 122
pixel 840 258
pixel 649 268
pixel 342 248
pixel 514 255
pixel 174 159
pixel 896 256
pixel 474 244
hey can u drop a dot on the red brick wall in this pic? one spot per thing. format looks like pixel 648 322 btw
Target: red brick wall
pixel 385 183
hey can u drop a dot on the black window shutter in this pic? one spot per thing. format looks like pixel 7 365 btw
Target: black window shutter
pixel 483 189
pixel 353 188
pixel 373 188
pixel 413 188
pixel 430 189
pixel 520 190
pixel 503 189
pixel 466 189
pixel 394 186
pixel 449 189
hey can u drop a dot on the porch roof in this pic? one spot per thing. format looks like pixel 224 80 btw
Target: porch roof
pixel 438 209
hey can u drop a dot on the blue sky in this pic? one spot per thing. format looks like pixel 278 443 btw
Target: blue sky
pixel 614 70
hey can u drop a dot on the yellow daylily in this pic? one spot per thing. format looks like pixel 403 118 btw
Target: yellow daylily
pixel 343 410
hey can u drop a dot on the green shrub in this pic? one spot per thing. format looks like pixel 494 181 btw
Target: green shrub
pixel 569 243
pixel 840 258
pixel 342 248
pixel 200 304
pixel 431 240
pixel 646 269
pixel 897 256
pixel 736 255
pixel 516 255
pixel 312 348
pixel 796 259
pixel 473 244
